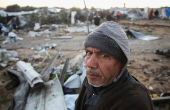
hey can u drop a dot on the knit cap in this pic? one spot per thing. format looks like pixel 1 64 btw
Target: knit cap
pixel 102 40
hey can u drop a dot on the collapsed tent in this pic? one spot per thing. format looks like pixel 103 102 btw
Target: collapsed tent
pixel 141 35
pixel 135 14
pixel 12 37
pixel 7 56
pixel 46 95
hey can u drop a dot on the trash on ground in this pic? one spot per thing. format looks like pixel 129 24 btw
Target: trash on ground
pixel 62 37
pixel 29 73
pixel 8 56
pixel 47 57
pixel 70 99
pixel 12 37
pixel 37 26
pixel 80 29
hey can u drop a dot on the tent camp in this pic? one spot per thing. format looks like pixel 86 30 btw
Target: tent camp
pixel 165 12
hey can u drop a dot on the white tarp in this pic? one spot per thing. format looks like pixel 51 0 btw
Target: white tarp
pixel 80 29
pixel 73 81
pixel 135 14
pixel 37 26
pixel 163 13
pixel 5 14
pixel 54 10
pixel 73 13
pixel 70 100
pixel 145 13
pixel 33 34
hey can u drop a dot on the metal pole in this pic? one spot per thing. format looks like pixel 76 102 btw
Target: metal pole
pixel 87 16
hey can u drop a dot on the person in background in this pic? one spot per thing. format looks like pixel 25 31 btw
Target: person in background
pixel 156 13
pixel 109 17
pixel 118 16
pixel 76 17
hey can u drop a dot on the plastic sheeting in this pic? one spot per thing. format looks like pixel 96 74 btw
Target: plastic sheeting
pixel 142 36
pixel 37 26
pixel 73 81
pixel 12 37
pixel 72 17
pixel 70 101
pixel 135 14
pixel 167 12
pixel 54 10
pixel 33 34
pixel 5 14
pixel 80 29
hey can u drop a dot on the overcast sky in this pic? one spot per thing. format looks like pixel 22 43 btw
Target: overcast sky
pixel 89 3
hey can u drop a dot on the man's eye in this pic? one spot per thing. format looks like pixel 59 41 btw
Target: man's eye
pixel 103 55
pixel 88 53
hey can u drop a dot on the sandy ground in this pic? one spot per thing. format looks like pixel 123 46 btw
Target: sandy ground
pixel 142 54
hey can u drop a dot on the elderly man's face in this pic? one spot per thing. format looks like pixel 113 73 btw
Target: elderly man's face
pixel 101 68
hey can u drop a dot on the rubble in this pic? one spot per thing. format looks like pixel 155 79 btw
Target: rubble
pixel 62 37
pixel 29 73
pixel 80 29
pixel 12 37
pixel 8 56
pixel 37 26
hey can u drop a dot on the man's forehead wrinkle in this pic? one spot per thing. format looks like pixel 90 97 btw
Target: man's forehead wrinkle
pixel 98 51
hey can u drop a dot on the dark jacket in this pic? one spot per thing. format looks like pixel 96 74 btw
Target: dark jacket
pixel 130 95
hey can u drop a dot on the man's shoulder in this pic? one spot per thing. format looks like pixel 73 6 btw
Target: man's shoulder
pixel 131 94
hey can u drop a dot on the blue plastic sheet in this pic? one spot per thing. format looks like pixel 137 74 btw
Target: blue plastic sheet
pixel 167 10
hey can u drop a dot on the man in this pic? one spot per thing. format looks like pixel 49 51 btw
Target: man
pixel 108 84
pixel 118 16
pixel 156 14
pixel 109 17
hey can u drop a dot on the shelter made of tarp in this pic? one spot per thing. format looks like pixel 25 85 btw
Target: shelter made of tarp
pixel 135 14
pixel 167 10
pixel 123 11
pixel 5 14
pixel 54 10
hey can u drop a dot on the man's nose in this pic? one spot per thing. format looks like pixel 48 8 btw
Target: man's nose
pixel 92 62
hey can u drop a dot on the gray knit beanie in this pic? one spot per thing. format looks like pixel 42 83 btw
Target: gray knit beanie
pixel 98 39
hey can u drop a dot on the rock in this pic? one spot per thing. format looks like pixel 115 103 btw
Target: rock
pixel 149 30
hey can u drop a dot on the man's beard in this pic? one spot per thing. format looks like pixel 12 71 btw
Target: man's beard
pixel 91 71
pixel 100 85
